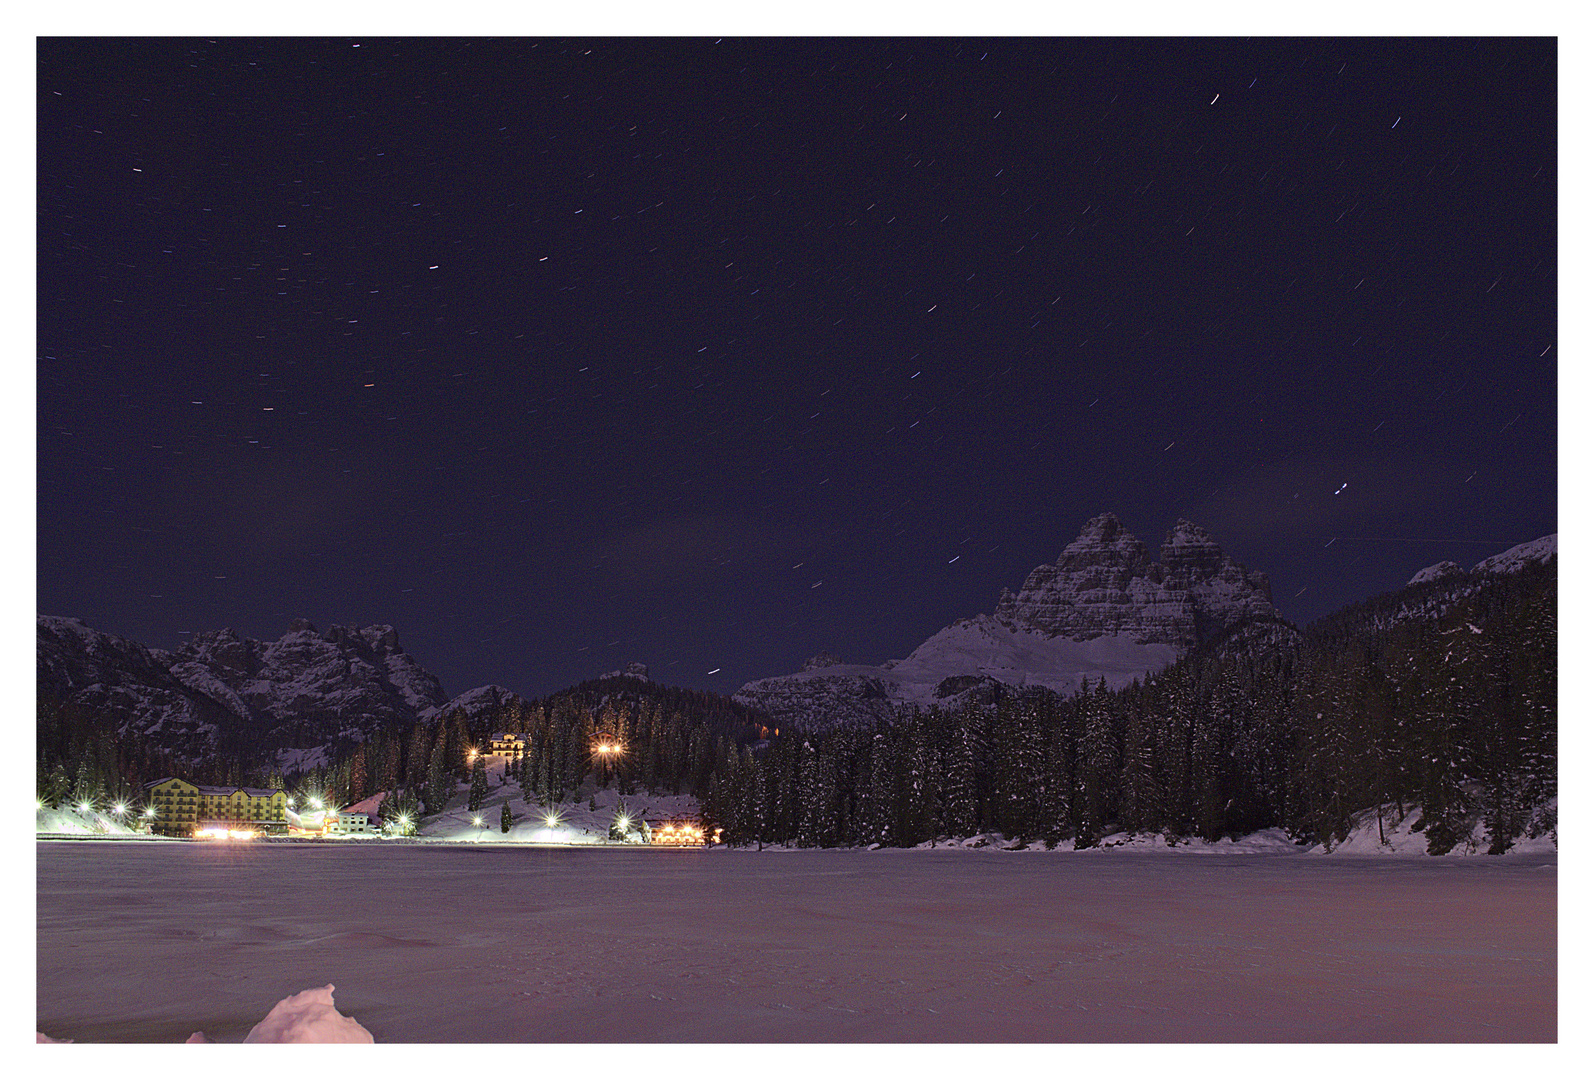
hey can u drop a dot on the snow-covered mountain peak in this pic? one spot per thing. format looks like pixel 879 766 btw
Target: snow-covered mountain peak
pixel 1435 572
pixel 1103 610
pixel 1514 559
pixel 1103 540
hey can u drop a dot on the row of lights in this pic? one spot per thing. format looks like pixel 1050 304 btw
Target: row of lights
pixel 87 807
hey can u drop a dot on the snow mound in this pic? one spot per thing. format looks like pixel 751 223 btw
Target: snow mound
pixel 1382 831
pixel 307 1017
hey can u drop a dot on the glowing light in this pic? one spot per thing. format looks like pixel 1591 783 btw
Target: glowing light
pixel 119 809
pixel 315 803
pixel 217 832
pixel 149 811
pixel 476 819
pixel 551 820
pixel 84 807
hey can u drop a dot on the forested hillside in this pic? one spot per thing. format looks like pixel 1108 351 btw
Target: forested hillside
pixel 1441 696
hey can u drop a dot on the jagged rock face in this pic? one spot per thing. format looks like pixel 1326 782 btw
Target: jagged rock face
pixel 309 683
pixel 221 691
pixel 1106 582
pixel 109 675
pixel 1105 610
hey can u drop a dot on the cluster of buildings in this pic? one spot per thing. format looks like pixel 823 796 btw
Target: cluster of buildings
pixel 208 810
pixel 183 809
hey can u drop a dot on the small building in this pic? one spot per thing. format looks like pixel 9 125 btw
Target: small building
pixel 182 808
pixel 677 833
pixel 506 744
pixel 344 823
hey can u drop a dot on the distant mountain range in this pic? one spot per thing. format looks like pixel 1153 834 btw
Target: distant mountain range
pixel 225 694
pixel 1104 610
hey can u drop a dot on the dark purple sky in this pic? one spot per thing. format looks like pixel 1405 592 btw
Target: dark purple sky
pixel 558 354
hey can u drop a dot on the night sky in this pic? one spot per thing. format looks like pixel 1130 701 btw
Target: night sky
pixel 558 354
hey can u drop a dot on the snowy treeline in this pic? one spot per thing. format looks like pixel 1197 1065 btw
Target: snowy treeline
pixel 1454 715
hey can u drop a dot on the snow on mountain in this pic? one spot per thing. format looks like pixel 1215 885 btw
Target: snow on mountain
pixel 106 674
pixel 1507 562
pixel 984 646
pixel 1514 559
pixel 482 699
pixel 1105 582
pixel 1435 572
pixel 1103 610
pixel 303 691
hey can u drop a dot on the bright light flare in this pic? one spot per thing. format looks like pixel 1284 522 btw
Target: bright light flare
pixel 119 809
pixel 217 832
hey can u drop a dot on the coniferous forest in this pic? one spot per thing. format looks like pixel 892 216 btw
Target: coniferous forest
pixel 1382 706
pixel 1439 698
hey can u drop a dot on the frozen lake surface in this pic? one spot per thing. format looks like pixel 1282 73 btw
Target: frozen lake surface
pixel 149 942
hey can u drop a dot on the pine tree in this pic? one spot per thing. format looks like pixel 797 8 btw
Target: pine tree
pixel 506 818
pixel 959 803
pixel 439 781
pixel 478 784
pixel 878 810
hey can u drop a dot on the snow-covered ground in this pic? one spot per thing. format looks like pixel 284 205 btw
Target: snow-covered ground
pixel 583 819
pixel 488 942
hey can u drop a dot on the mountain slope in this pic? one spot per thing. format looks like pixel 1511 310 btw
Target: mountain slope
pixel 1105 610
pixel 222 693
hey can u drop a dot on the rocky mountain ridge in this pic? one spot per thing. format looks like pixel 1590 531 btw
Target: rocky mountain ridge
pixel 1105 609
pixel 221 692
pixel 1106 583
